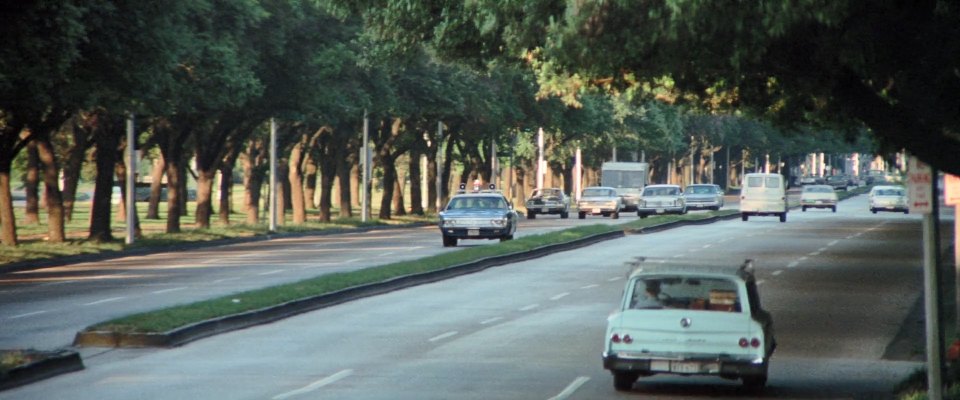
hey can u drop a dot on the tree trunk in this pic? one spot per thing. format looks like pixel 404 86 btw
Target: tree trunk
pixel 355 177
pixel 295 180
pixel 416 198
pixel 107 139
pixel 226 191
pixel 173 193
pixel 51 179
pixel 72 168
pixel 389 179
pixel 156 188
pixel 252 179
pixel 343 168
pixel 398 205
pixel 310 181
pixel 32 186
pixel 205 179
pixel 8 226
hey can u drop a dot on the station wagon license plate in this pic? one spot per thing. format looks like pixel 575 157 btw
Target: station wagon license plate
pixel 660 211
pixel 685 367
pixel 473 232
pixel 596 211
pixel 545 210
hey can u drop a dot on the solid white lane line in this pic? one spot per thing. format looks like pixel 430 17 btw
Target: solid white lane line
pixel 27 314
pixel 315 385
pixel 560 296
pixel 352 260
pixel 276 271
pixel 169 290
pixel 777 272
pixel 591 286
pixel 224 280
pixel 833 243
pixel 614 279
pixel 443 336
pixel 529 307
pixel 105 301
pixel 793 264
pixel 385 254
pixel 572 387
pixel 490 320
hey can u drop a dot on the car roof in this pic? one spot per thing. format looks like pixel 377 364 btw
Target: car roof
pixel 743 272
pixel 599 187
pixel 888 187
pixel 819 186
pixel 662 185
pixel 480 194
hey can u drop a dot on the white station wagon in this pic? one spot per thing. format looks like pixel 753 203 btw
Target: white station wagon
pixel 690 320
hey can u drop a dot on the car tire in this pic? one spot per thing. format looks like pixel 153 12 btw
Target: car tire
pixel 873 210
pixel 906 211
pixel 641 215
pixel 804 209
pixel 783 217
pixel 755 382
pixel 506 238
pixel 623 381
pixel 564 214
pixel 615 215
pixel 744 217
pixel 449 241
pixel 531 215
pixel 834 208
pixel 581 215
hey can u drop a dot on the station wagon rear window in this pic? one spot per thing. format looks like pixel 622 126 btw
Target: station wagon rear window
pixel 694 293
pixel 760 181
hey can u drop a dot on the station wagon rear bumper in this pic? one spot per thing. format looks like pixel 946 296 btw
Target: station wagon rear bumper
pixel 719 366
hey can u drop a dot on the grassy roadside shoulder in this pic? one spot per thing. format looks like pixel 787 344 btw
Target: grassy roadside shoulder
pixel 175 317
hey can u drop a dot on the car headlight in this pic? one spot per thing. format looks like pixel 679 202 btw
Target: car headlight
pixel 448 222
pixel 499 221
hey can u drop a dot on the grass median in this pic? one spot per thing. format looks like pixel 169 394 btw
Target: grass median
pixel 171 318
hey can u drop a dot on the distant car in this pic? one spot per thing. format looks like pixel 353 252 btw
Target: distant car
pixel 838 182
pixel 888 198
pixel 690 321
pixel 477 215
pixel 763 194
pixel 599 200
pixel 818 196
pixel 630 198
pixel 808 180
pixel 661 199
pixel 548 201
pixel 705 196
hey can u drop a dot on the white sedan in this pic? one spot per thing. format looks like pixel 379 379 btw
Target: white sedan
pixel 818 196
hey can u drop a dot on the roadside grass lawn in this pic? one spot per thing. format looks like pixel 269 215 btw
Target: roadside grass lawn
pixel 171 318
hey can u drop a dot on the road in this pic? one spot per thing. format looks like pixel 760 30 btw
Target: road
pixel 44 308
pixel 838 285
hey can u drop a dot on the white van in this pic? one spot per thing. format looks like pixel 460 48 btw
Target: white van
pixel 763 194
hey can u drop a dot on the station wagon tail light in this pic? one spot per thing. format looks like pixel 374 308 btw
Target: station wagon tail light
pixel 615 338
pixel 755 342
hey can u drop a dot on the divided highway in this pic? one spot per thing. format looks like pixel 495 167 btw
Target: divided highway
pixel 839 287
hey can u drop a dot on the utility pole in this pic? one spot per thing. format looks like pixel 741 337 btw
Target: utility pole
pixel 540 162
pixel 365 159
pixel 439 161
pixel 131 185
pixel 273 176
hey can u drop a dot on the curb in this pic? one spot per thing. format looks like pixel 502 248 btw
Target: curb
pixel 228 323
pixel 63 362
pixel 109 255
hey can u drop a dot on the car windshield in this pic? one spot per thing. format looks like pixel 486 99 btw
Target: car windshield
pixel 598 193
pixel 694 293
pixel 661 191
pixel 890 192
pixel 818 189
pixel 547 193
pixel 701 190
pixel 485 202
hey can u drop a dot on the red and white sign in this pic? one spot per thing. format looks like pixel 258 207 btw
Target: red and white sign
pixel 920 187
pixel 951 190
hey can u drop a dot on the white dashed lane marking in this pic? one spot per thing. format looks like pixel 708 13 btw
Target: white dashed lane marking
pixel 777 272
pixel 315 385
pixel 112 299
pixel 590 286
pixel 572 387
pixel 168 290
pixel 443 336
pixel 529 307
pixel 490 320
pixel 560 296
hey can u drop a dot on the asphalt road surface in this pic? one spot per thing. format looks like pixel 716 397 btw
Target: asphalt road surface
pixel 839 286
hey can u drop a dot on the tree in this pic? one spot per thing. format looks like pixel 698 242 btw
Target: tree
pixel 887 64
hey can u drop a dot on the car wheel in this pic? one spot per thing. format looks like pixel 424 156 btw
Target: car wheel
pixel 641 215
pixel 564 215
pixel 755 382
pixel 449 241
pixel 783 217
pixel 615 215
pixel 623 381
pixel 906 211
pixel 873 210
pixel 804 209
pixel 506 238
pixel 581 215
pixel 834 208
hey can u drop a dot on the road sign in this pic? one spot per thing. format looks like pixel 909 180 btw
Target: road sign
pixel 951 190
pixel 919 186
